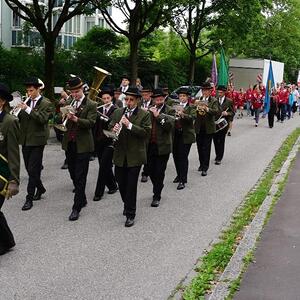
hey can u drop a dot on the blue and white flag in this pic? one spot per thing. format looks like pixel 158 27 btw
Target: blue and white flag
pixel 269 85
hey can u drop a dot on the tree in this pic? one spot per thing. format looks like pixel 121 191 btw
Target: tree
pixel 274 33
pixel 196 22
pixel 142 17
pixel 40 16
pixel 98 48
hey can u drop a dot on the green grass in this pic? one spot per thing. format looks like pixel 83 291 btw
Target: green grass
pixel 215 261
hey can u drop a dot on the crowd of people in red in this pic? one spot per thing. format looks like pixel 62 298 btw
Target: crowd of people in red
pixel 284 100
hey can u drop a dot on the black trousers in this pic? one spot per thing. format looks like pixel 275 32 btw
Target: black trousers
pixel 6 237
pixel 281 112
pixel 78 165
pixel 271 115
pixel 157 168
pixel 146 170
pixel 127 178
pixel 219 142
pixel 204 145
pixel 181 156
pixel 105 174
pixel 33 159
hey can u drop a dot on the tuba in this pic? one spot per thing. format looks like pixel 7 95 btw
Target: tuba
pixel 94 88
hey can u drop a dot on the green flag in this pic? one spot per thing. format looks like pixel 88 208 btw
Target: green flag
pixel 223 70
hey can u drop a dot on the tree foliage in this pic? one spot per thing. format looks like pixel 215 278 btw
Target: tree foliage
pixel 40 16
pixel 141 18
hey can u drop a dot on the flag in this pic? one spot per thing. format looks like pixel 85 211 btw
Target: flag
pixel 269 85
pixel 223 70
pixel 214 71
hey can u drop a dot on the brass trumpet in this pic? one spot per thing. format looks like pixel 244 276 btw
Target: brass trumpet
pixel 65 110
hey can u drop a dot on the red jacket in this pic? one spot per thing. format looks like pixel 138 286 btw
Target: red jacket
pixel 241 99
pixel 256 100
pixel 283 96
pixel 248 95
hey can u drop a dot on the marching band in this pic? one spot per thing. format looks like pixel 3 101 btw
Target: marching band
pixel 140 127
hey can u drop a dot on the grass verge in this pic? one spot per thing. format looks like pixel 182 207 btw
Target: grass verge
pixel 215 261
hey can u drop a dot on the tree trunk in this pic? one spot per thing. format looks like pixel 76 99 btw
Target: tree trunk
pixel 133 60
pixel 192 66
pixel 49 68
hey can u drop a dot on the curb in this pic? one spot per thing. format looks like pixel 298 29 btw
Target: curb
pixel 236 263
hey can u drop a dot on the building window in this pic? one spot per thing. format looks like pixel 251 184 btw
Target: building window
pixel 16 38
pixel 54 19
pixel 16 20
pixel 101 23
pixel 78 25
pixel 89 25
pixel 58 41
pixel 58 3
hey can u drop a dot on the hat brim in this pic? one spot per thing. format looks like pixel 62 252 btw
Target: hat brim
pixel 75 87
pixel 132 94
pixel 157 95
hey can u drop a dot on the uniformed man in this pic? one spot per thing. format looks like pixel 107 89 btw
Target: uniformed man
pixel 104 148
pixel 9 164
pixel 160 143
pixel 132 126
pixel 184 137
pixel 227 113
pixel 78 141
pixel 205 127
pixel 34 116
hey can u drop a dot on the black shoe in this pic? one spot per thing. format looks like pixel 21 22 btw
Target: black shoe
pixel 97 198
pixel 144 178
pixel 176 179
pixel 204 173
pixel 129 222
pixel 27 205
pixel 155 203
pixel 229 133
pixel 113 191
pixel 64 166
pixel 217 162
pixel 38 194
pixel 180 186
pixel 5 249
pixel 200 169
pixel 74 215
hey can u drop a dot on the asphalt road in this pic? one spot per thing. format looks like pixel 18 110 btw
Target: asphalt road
pixel 96 257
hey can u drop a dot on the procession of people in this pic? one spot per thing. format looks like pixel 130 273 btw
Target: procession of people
pixel 139 129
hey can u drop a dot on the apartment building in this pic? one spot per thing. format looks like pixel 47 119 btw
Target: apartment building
pixel 14 32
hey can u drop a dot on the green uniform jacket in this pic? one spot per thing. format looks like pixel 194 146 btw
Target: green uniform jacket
pixel 9 143
pixel 227 105
pixel 87 114
pixel 209 118
pixel 187 123
pixel 164 130
pixel 34 126
pixel 131 146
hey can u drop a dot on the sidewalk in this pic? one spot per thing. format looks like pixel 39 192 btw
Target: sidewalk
pixel 275 273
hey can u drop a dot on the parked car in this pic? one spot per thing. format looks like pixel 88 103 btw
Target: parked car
pixel 195 92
